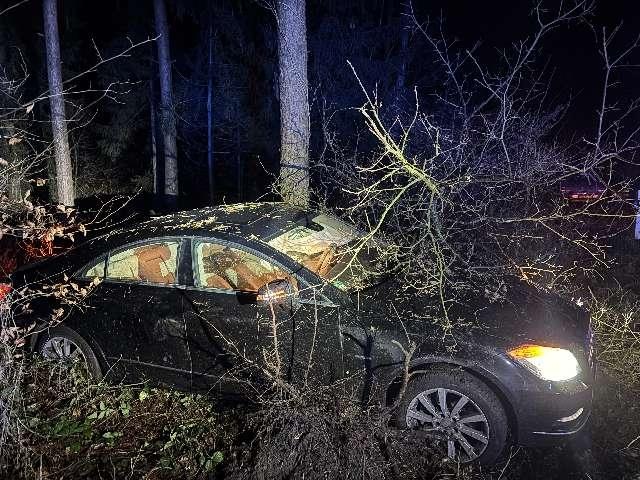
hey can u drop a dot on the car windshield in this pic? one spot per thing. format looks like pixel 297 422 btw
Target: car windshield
pixel 335 250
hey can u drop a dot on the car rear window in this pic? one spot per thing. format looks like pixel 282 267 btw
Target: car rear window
pixel 151 263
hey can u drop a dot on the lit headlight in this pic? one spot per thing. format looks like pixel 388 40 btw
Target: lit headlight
pixel 548 363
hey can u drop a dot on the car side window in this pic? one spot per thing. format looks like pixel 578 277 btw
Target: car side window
pixel 152 262
pixel 226 268
pixel 94 269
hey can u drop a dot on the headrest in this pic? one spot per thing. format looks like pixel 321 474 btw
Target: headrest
pixel 151 252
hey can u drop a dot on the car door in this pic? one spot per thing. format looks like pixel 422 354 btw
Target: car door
pixel 236 340
pixel 229 332
pixel 138 310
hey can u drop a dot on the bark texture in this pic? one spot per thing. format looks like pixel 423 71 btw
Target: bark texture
pixel 64 170
pixel 210 169
pixel 167 114
pixel 294 102
pixel 152 123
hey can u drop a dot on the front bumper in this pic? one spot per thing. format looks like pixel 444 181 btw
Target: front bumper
pixel 551 418
pixel 551 413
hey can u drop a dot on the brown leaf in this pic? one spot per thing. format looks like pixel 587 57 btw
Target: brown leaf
pixel 14 140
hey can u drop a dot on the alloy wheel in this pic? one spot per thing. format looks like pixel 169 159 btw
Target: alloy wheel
pixel 62 349
pixel 452 418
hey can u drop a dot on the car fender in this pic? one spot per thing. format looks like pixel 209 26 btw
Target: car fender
pixel 503 378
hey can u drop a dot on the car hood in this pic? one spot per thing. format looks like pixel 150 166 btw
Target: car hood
pixel 514 314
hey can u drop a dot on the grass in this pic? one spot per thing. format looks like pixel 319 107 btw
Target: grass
pixel 71 428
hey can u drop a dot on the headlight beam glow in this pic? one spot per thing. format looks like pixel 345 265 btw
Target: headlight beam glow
pixel 548 363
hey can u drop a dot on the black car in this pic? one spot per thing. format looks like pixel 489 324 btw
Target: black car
pixel 198 299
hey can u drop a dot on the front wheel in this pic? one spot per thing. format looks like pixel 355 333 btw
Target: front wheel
pixel 65 346
pixel 461 413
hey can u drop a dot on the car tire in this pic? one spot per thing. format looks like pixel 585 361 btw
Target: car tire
pixel 489 434
pixel 54 341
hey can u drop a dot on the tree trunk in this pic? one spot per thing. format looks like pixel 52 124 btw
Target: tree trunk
pixel 294 102
pixel 167 114
pixel 210 114
pixel 64 171
pixel 152 122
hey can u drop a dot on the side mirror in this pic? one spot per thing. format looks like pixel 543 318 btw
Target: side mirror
pixel 276 292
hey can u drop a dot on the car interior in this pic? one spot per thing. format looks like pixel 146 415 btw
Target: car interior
pixel 153 263
pixel 226 268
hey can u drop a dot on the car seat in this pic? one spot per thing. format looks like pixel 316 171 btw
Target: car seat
pixel 150 259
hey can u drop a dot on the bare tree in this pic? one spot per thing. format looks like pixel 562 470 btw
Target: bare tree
pixel 14 163
pixel 64 170
pixel 468 184
pixel 167 114
pixel 294 101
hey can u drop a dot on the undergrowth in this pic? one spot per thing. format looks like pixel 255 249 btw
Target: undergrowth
pixel 68 427
pixel 56 424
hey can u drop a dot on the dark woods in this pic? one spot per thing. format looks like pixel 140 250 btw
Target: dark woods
pixel 219 62
pixel 472 138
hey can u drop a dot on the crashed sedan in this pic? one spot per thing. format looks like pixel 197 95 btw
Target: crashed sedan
pixel 221 298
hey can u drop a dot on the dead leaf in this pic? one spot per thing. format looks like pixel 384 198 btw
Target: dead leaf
pixel 3 162
pixel 14 140
pixel 30 107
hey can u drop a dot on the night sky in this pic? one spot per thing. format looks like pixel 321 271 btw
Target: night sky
pixel 570 54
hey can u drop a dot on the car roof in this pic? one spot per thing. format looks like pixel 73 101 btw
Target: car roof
pixel 262 220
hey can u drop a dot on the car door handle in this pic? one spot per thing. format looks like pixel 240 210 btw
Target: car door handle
pixel 208 307
pixel 172 321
